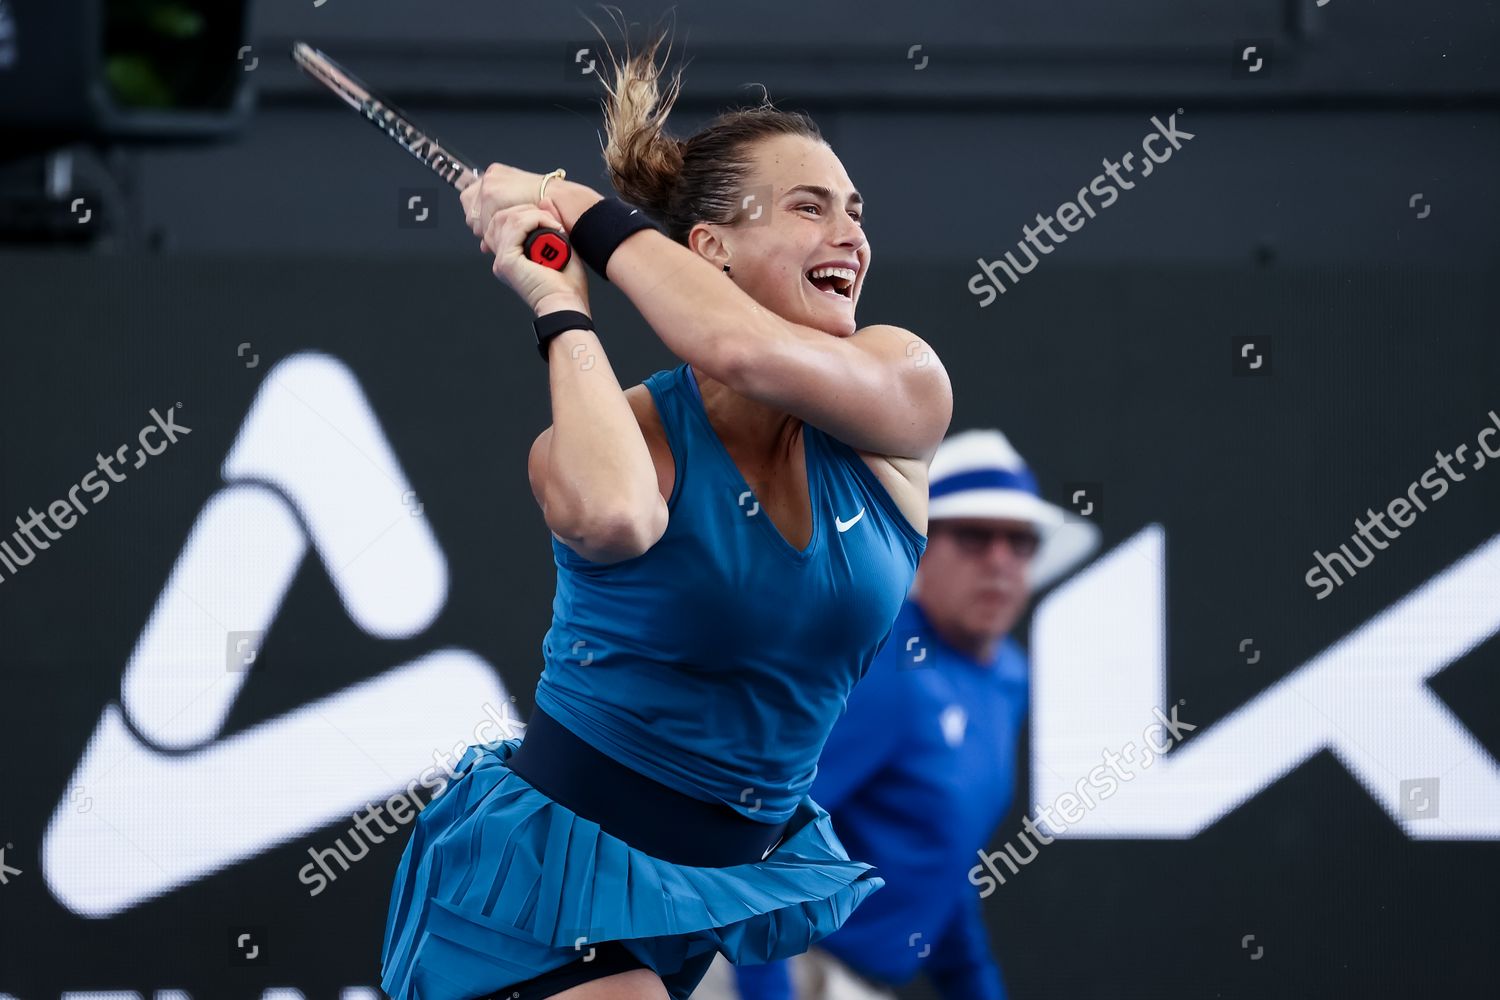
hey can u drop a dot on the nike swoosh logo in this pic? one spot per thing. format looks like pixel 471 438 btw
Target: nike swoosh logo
pixel 846 525
pixel 773 847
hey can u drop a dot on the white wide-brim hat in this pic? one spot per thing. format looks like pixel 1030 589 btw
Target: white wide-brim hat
pixel 978 474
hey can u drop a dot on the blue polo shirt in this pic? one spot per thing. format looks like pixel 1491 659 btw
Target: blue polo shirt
pixel 917 774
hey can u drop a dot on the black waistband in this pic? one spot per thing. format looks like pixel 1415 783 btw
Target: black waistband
pixel 646 814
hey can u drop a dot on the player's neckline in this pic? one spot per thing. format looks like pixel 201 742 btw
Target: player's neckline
pixel 812 498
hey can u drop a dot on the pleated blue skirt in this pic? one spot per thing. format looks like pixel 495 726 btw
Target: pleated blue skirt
pixel 500 883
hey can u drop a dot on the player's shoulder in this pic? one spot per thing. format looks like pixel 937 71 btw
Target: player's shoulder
pixel 922 382
pixel 891 339
pixel 642 399
pixel 883 330
pixel 643 405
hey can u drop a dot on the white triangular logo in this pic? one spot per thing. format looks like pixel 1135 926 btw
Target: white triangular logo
pixel 310 466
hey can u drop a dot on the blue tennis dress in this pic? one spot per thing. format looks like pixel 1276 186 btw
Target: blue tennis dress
pixel 716 664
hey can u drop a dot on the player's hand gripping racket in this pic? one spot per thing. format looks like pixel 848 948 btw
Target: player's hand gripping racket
pixel 548 247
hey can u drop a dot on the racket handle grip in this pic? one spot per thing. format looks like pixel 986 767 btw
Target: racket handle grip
pixel 548 247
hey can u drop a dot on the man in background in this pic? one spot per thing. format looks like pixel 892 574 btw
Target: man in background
pixel 921 768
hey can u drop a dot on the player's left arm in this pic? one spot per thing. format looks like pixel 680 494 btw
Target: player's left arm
pixel 882 390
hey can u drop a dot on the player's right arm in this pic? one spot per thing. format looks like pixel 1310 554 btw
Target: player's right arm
pixel 591 471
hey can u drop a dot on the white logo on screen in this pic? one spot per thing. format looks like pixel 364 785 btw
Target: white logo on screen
pixel 1099 668
pixel 310 468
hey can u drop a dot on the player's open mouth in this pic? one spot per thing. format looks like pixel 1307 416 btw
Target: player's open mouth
pixel 835 281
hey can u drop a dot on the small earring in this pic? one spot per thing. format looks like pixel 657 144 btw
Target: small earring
pixel 726 268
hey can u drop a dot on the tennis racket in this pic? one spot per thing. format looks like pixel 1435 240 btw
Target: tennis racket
pixel 545 246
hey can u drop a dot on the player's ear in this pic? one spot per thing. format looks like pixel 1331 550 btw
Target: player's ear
pixel 707 241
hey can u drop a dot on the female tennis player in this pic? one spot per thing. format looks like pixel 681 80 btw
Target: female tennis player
pixel 733 539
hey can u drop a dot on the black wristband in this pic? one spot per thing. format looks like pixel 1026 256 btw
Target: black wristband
pixel 555 323
pixel 602 228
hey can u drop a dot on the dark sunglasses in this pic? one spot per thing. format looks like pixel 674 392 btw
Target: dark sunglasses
pixel 974 541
